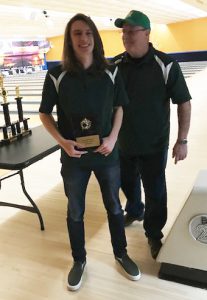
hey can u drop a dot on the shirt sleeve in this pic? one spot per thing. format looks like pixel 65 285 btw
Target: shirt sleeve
pixel 49 96
pixel 177 86
pixel 121 98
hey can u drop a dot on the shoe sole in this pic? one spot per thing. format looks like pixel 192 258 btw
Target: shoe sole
pixel 130 222
pixel 76 287
pixel 131 277
pixel 127 225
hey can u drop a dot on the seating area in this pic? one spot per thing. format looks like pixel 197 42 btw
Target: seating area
pixel 20 70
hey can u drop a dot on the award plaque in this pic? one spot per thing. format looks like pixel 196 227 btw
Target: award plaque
pixel 86 130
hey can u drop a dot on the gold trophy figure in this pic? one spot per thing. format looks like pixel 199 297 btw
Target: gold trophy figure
pixel 19 104
pixel 17 91
pixel 4 95
pixel 3 91
pixel 1 81
pixel 5 105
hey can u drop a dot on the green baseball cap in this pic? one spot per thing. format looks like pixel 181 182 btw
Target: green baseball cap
pixel 134 18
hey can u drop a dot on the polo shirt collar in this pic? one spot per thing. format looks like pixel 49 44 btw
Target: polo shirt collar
pixel 145 59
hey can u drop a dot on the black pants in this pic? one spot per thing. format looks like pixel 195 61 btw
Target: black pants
pixel 150 170
pixel 75 183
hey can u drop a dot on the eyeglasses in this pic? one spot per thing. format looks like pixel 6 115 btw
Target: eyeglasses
pixel 132 32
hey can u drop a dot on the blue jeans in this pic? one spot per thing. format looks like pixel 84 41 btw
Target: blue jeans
pixel 150 170
pixel 75 180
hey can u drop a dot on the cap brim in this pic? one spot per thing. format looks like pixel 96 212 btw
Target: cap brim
pixel 119 23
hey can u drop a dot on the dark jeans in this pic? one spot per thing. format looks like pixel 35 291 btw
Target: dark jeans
pixel 75 183
pixel 150 170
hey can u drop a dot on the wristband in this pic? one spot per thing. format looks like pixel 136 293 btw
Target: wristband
pixel 183 141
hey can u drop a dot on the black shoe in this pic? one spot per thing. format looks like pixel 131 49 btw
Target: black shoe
pixel 129 267
pixel 155 246
pixel 128 220
pixel 75 275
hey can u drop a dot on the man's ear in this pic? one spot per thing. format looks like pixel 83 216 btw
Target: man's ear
pixel 147 32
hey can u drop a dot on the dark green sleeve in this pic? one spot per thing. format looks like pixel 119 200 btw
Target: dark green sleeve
pixel 49 96
pixel 121 98
pixel 176 84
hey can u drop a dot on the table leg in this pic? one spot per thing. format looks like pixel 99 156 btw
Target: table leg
pixel 33 208
pixel 36 209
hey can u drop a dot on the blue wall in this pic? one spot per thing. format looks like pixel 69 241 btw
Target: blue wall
pixel 190 56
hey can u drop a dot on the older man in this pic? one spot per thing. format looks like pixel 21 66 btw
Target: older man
pixel 151 78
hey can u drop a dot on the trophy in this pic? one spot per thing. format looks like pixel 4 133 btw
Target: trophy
pixel 9 129
pixel 86 130
pixel 24 130
pixel 12 130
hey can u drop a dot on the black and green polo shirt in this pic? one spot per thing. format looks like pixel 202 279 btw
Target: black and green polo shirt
pixel 150 83
pixel 84 93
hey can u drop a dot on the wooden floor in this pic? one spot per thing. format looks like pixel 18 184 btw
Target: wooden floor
pixel 35 264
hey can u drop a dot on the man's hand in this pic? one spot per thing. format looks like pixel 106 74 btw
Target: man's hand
pixel 179 151
pixel 107 146
pixel 69 147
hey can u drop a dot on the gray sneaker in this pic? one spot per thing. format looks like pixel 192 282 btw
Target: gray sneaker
pixel 75 275
pixel 129 267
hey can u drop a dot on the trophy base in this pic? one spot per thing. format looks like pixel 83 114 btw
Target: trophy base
pixel 89 141
pixel 15 138
pixel 26 132
pixel 8 141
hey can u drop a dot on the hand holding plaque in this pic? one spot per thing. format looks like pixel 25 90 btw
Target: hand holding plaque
pixel 86 130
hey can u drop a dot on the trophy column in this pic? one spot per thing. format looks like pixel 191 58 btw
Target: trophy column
pixel 21 129
pixel 4 104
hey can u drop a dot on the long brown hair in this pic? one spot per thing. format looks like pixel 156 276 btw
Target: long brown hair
pixel 70 62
